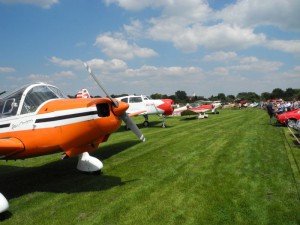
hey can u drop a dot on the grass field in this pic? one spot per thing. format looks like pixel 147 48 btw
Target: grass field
pixel 232 168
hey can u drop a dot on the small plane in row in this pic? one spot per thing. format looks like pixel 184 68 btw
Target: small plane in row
pixel 38 119
pixel 201 110
pixel 141 105
pixel 144 105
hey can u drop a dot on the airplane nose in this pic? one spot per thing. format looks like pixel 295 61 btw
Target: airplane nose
pixel 167 106
pixel 122 107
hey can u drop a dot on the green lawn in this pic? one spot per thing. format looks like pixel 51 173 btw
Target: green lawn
pixel 232 168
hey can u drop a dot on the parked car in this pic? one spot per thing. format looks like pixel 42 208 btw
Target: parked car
pixel 289 118
pixel 297 126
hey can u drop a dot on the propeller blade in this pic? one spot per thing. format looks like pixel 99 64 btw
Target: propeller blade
pixel 99 84
pixel 124 116
pixel 132 126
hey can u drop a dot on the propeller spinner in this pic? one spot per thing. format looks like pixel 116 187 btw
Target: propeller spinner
pixel 124 116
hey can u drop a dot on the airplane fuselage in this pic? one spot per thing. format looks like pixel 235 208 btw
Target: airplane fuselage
pixel 146 105
pixel 69 125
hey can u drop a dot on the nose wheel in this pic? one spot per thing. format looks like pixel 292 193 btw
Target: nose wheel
pixel 146 123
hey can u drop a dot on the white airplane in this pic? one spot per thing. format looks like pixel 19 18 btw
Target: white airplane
pixel 144 105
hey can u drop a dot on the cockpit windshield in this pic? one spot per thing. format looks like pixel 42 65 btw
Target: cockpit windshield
pixel 27 99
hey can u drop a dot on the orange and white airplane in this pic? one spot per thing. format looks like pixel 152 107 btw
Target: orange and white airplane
pixel 144 105
pixel 38 119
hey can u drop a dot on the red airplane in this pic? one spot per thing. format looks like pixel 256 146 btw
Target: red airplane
pixel 38 119
pixel 199 109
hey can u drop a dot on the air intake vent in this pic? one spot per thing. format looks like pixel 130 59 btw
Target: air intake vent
pixel 103 110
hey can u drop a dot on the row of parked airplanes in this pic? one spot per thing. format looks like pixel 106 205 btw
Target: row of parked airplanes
pixel 38 119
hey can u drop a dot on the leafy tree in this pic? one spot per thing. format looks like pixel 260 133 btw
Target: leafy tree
pixel 265 96
pixel 289 94
pixel 221 97
pixel 181 96
pixel 156 96
pixel 277 93
pixel 248 96
pixel 230 98
pixel 173 97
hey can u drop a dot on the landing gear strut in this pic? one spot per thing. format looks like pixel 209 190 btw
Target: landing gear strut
pixel 146 122
pixel 163 122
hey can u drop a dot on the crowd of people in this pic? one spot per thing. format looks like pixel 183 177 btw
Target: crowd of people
pixel 279 106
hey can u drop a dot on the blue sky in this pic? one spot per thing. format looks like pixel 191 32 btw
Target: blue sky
pixel 204 47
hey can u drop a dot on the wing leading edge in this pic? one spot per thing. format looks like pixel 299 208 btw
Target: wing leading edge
pixel 10 146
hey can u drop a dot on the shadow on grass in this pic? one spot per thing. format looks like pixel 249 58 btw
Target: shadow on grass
pixel 106 152
pixel 60 176
pixel 152 124
pixel 189 118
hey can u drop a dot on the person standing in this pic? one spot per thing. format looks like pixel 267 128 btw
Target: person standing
pixel 270 110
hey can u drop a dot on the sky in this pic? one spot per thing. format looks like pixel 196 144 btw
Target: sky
pixel 202 47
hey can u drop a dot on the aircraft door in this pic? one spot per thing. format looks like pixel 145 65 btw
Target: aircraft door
pixel 136 104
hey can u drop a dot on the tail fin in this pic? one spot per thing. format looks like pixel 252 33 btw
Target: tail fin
pixel 83 93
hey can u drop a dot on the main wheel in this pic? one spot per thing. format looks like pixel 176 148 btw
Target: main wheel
pixel 146 123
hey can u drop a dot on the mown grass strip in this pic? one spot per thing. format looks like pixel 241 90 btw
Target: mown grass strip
pixel 232 168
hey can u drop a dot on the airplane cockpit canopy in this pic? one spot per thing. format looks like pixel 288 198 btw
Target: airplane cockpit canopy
pixel 27 99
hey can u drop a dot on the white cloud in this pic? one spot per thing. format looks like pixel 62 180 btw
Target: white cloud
pixel 160 72
pixel 113 65
pixel 255 65
pixel 192 24
pixel 41 3
pixel 135 5
pixel 279 13
pixel 64 75
pixel 220 56
pixel 117 47
pixel 7 70
pixel 40 78
pixel 76 63
pixel 219 36
pixel 293 73
pixel 135 29
pixel 289 46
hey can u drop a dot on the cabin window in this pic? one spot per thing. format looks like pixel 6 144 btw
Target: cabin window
pixel 8 107
pixel 135 99
pixel 35 97
pixel 10 103
pixel 124 100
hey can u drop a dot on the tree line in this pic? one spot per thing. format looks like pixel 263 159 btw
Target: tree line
pixel 181 96
pixel 288 95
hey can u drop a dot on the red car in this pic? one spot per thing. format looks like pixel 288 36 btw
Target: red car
pixel 289 118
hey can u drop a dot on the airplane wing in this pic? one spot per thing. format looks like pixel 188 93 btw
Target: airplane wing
pixel 195 110
pixel 136 113
pixel 10 146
